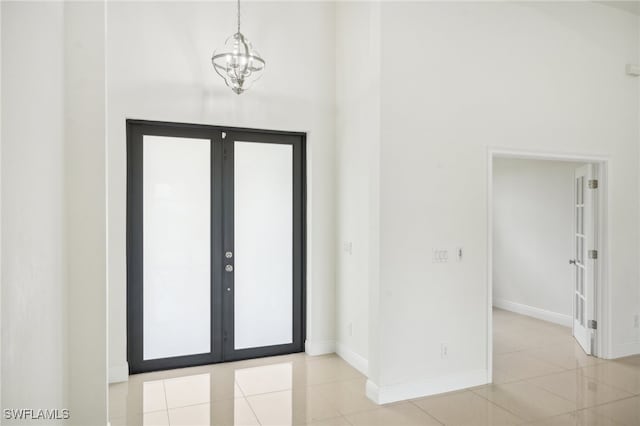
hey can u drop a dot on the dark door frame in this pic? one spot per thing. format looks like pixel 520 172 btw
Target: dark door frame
pixel 221 241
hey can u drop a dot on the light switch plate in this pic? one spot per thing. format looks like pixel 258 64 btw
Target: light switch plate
pixel 440 255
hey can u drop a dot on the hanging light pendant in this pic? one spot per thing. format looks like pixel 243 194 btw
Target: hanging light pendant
pixel 238 63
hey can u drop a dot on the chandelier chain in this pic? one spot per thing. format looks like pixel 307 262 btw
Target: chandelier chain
pixel 238 63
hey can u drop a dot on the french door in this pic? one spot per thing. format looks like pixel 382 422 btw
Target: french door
pixel 215 244
pixel 585 262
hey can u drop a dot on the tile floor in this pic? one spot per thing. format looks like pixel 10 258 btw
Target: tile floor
pixel 541 377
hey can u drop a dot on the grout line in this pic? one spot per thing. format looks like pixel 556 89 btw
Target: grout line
pixel 411 401
pixel 235 383
pixel 246 400
pixel 344 418
pixel 607 403
pixel 599 382
pixel 166 403
pixel 504 408
pixel 610 385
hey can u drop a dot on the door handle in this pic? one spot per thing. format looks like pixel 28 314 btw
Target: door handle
pixel 572 262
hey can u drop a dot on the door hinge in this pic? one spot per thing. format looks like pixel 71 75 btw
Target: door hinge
pixel 593 254
pixel 593 324
pixel 593 184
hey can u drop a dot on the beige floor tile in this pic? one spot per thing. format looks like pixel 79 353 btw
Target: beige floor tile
pixel 336 421
pixel 329 370
pixel 228 412
pixel 583 390
pixel 188 390
pixel 402 414
pixel 193 415
pixel 625 412
pixel 223 385
pixel 466 409
pixel 544 375
pixel 157 418
pixel 347 396
pixel 504 344
pixel 618 375
pixel 273 409
pixel 568 355
pixel 119 399
pixel 268 378
pixel 153 398
pixel 526 400
pixel 242 413
pixel 577 418
pixel 631 361
pixel 519 365
pixel 310 406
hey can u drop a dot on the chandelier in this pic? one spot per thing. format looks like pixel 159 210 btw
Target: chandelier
pixel 238 63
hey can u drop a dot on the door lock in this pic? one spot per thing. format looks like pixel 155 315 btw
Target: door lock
pixel 228 268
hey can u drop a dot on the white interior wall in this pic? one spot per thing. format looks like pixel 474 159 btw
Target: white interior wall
pixel 533 238
pixel 158 62
pixel 357 115
pixel 1 137
pixel 34 335
pixel 529 76
pixel 53 211
pixel 86 210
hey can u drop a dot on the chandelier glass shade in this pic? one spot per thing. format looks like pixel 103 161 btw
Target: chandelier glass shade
pixel 238 63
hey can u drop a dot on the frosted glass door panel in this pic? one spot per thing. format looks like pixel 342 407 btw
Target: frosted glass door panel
pixel 263 244
pixel 176 241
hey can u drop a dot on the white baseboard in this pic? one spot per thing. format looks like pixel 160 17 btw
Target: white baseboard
pixel 319 347
pixel 119 373
pixel 625 349
pixel 418 389
pixel 542 314
pixel 355 360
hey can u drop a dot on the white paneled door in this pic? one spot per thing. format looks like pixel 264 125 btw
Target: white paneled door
pixel 215 244
pixel 586 257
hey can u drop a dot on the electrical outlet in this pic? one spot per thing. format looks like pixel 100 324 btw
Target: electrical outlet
pixel 348 247
pixel 440 255
pixel 444 351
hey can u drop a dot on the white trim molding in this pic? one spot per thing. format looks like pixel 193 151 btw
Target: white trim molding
pixel 352 358
pixel 319 347
pixel 119 373
pixel 410 390
pixel 532 311
pixel 625 349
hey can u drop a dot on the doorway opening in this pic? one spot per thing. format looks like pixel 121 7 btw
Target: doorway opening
pixel 547 263
pixel 215 244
